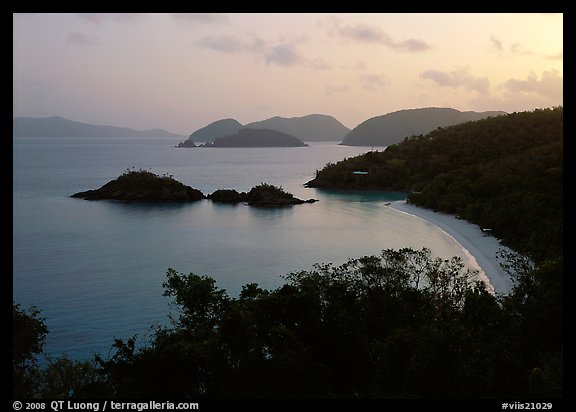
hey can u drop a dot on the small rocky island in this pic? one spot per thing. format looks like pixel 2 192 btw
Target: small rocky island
pixel 256 138
pixel 143 186
pixel 263 195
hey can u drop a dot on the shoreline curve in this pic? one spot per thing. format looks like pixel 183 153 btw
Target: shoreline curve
pixel 479 248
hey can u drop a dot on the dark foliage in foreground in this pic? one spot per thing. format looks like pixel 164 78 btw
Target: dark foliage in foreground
pixel 28 334
pixel 398 325
pixel 504 173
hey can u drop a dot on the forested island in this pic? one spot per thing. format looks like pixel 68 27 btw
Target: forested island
pixel 504 173
pixel 143 186
pixel 401 324
pixel 256 138
pixel 263 195
pixel 310 128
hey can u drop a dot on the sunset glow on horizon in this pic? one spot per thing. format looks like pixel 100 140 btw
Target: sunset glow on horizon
pixel 181 72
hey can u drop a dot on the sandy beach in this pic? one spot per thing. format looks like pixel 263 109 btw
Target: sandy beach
pixel 481 248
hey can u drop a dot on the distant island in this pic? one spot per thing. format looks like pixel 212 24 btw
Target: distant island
pixel 394 127
pixel 378 131
pixel 263 195
pixel 60 127
pixel 256 138
pixel 143 186
pixel 215 130
pixel 310 128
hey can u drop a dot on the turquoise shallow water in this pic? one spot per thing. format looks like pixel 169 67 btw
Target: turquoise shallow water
pixel 96 268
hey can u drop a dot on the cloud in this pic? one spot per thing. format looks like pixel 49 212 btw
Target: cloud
pixel 523 94
pixel 550 85
pixel 317 64
pixel 330 90
pixel 516 49
pixel 496 43
pixel 224 43
pixel 460 77
pixel 99 18
pixel 83 39
pixel 557 56
pixel 363 33
pixel 373 82
pixel 411 45
pixel 284 54
pixel 199 17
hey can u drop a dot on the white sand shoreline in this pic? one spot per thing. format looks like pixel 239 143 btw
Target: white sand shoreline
pixel 480 249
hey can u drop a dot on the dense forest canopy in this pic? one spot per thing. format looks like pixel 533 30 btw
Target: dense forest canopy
pixel 504 173
pixel 256 138
pixel 402 324
pixel 393 127
pixel 398 325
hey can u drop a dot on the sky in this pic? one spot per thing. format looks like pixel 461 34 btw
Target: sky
pixel 181 72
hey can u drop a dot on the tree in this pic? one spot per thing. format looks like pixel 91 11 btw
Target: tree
pixel 28 334
pixel 402 324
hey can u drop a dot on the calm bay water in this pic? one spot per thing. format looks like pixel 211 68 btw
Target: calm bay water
pixel 96 268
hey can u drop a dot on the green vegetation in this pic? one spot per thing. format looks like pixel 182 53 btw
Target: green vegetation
pixel 398 325
pixel 143 186
pixel 503 173
pixel 28 334
pixel 256 138
pixel 310 128
pixel 263 195
pixel 143 178
pixel 393 127
pixel 219 128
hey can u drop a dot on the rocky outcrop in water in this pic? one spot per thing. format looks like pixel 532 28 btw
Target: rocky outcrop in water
pixel 263 195
pixel 143 186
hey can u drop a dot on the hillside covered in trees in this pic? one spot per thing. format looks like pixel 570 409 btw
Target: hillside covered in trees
pixel 393 127
pixel 310 128
pixel 401 324
pixel 256 138
pixel 398 325
pixel 504 173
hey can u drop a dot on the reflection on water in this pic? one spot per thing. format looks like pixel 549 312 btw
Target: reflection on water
pixel 96 268
pixel 268 214
pixel 361 195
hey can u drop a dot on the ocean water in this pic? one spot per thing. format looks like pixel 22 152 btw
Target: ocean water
pixel 96 269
